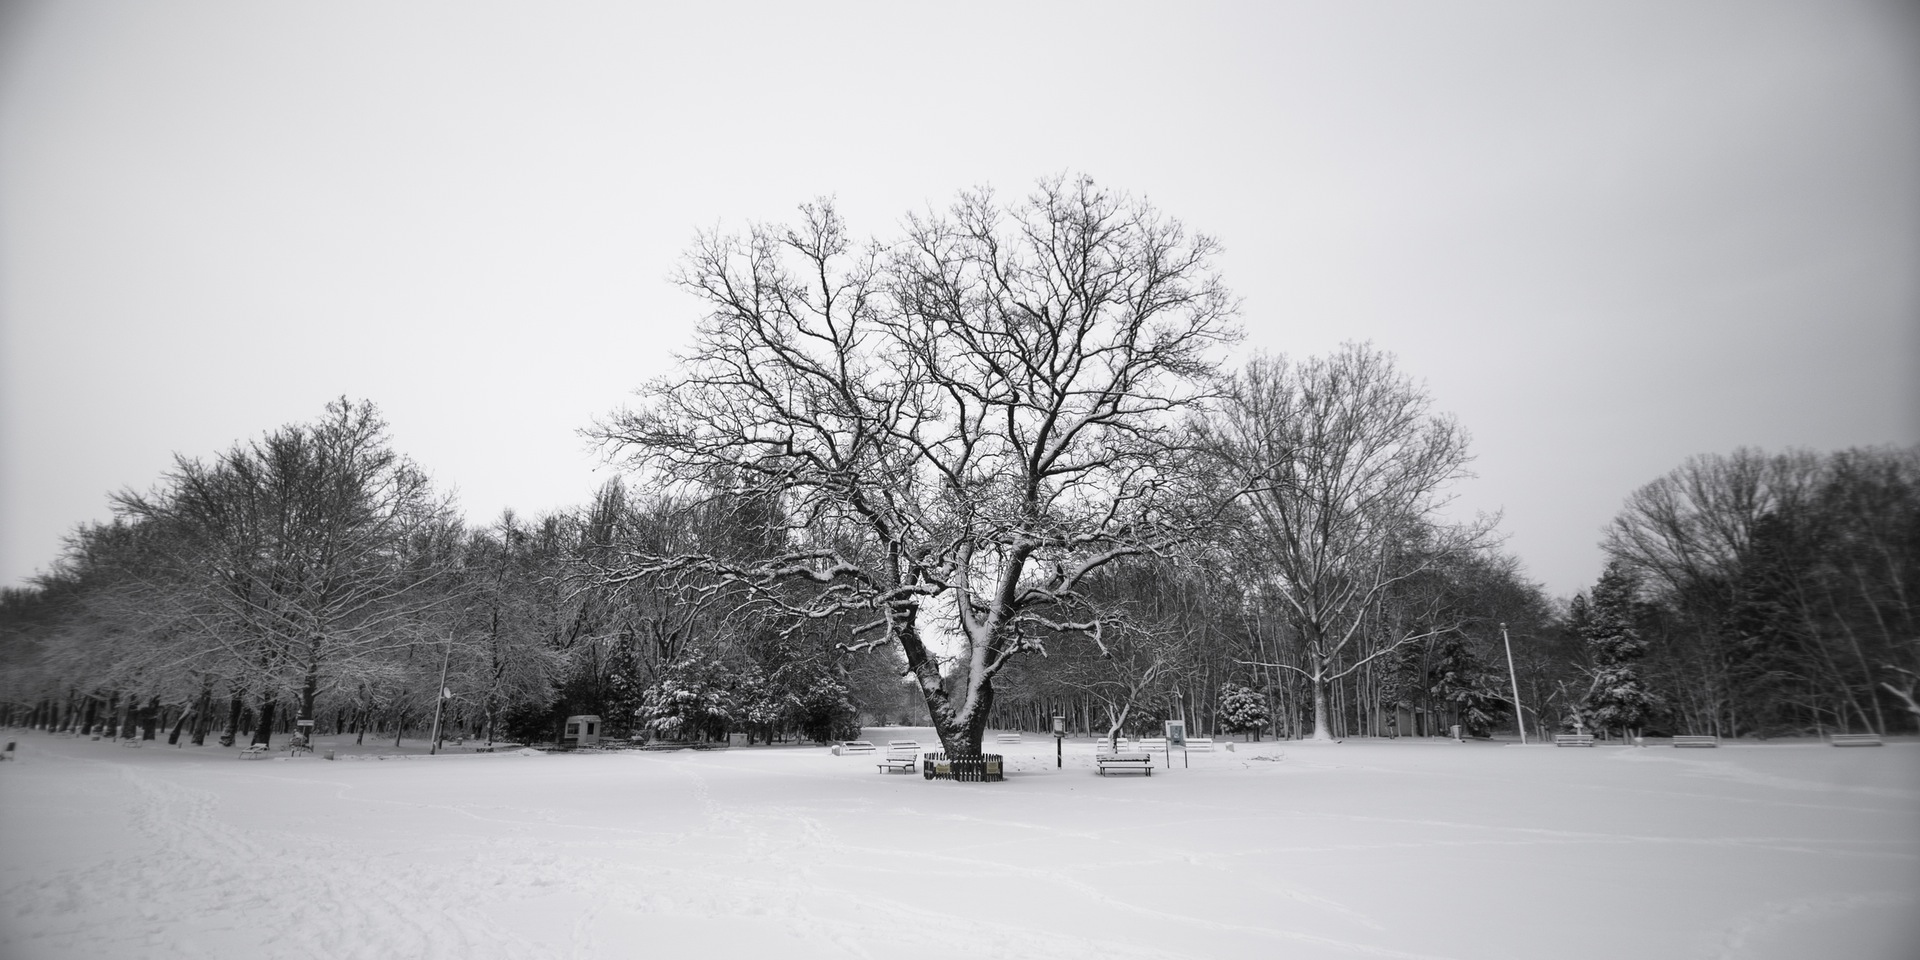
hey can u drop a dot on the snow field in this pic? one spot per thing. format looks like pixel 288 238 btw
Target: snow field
pixel 1362 849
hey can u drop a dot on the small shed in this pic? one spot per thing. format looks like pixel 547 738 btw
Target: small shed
pixel 582 731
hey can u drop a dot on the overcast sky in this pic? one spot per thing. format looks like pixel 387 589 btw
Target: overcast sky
pixel 1607 235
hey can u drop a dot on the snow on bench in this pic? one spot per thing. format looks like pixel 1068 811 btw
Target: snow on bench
pixel 1854 739
pixel 1573 739
pixel 1689 740
pixel 849 747
pixel 1124 761
pixel 902 755
pixel 1008 738
pixel 1102 745
pixel 1194 744
pixel 256 751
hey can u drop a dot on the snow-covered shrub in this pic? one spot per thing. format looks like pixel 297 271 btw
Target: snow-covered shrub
pixel 1242 709
pixel 693 700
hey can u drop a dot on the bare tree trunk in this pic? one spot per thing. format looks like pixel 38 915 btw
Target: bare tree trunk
pixel 263 730
pixel 203 715
pixel 309 690
pixel 173 737
pixel 231 734
pixel 1322 730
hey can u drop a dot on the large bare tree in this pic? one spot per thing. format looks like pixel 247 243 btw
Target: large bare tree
pixel 976 415
pixel 1348 468
pixel 308 554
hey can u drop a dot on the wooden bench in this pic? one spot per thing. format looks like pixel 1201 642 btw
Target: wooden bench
pixel 850 747
pixel 1103 745
pixel 1573 739
pixel 1200 744
pixel 256 751
pixel 1689 740
pixel 902 755
pixel 1124 761
pixel 1151 744
pixel 1008 738
pixel 1854 739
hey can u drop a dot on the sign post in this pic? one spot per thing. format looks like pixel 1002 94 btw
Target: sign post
pixel 1059 736
pixel 1177 736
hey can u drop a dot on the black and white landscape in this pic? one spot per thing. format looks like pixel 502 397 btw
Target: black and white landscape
pixel 1308 480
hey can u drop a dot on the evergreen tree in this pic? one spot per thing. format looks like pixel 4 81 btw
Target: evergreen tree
pixel 822 711
pixel 1616 697
pixel 1242 709
pixel 1764 643
pixel 1465 682
pixel 694 701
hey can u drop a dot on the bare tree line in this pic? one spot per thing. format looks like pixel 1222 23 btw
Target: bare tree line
pixel 993 469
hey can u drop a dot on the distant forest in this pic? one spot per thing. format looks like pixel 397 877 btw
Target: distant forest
pixel 989 472
pixel 312 574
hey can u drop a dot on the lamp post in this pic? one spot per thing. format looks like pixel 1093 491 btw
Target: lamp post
pixel 440 699
pixel 1179 706
pixel 1519 714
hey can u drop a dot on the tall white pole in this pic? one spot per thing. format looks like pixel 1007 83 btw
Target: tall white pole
pixel 440 698
pixel 1519 715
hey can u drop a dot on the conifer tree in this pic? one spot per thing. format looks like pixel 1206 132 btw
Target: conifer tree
pixel 1463 680
pixel 1617 698
pixel 1242 709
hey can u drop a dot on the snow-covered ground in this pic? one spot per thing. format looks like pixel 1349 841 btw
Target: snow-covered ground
pixel 1368 849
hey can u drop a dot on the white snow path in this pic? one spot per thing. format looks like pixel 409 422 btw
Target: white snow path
pixel 1391 849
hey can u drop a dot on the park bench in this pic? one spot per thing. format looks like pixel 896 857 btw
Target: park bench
pixel 257 751
pixel 1102 745
pixel 1200 744
pixel 1854 739
pixel 850 747
pixel 1142 762
pixel 902 755
pixel 1688 740
pixel 1152 744
pixel 1573 739
pixel 1008 738
pixel 8 754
